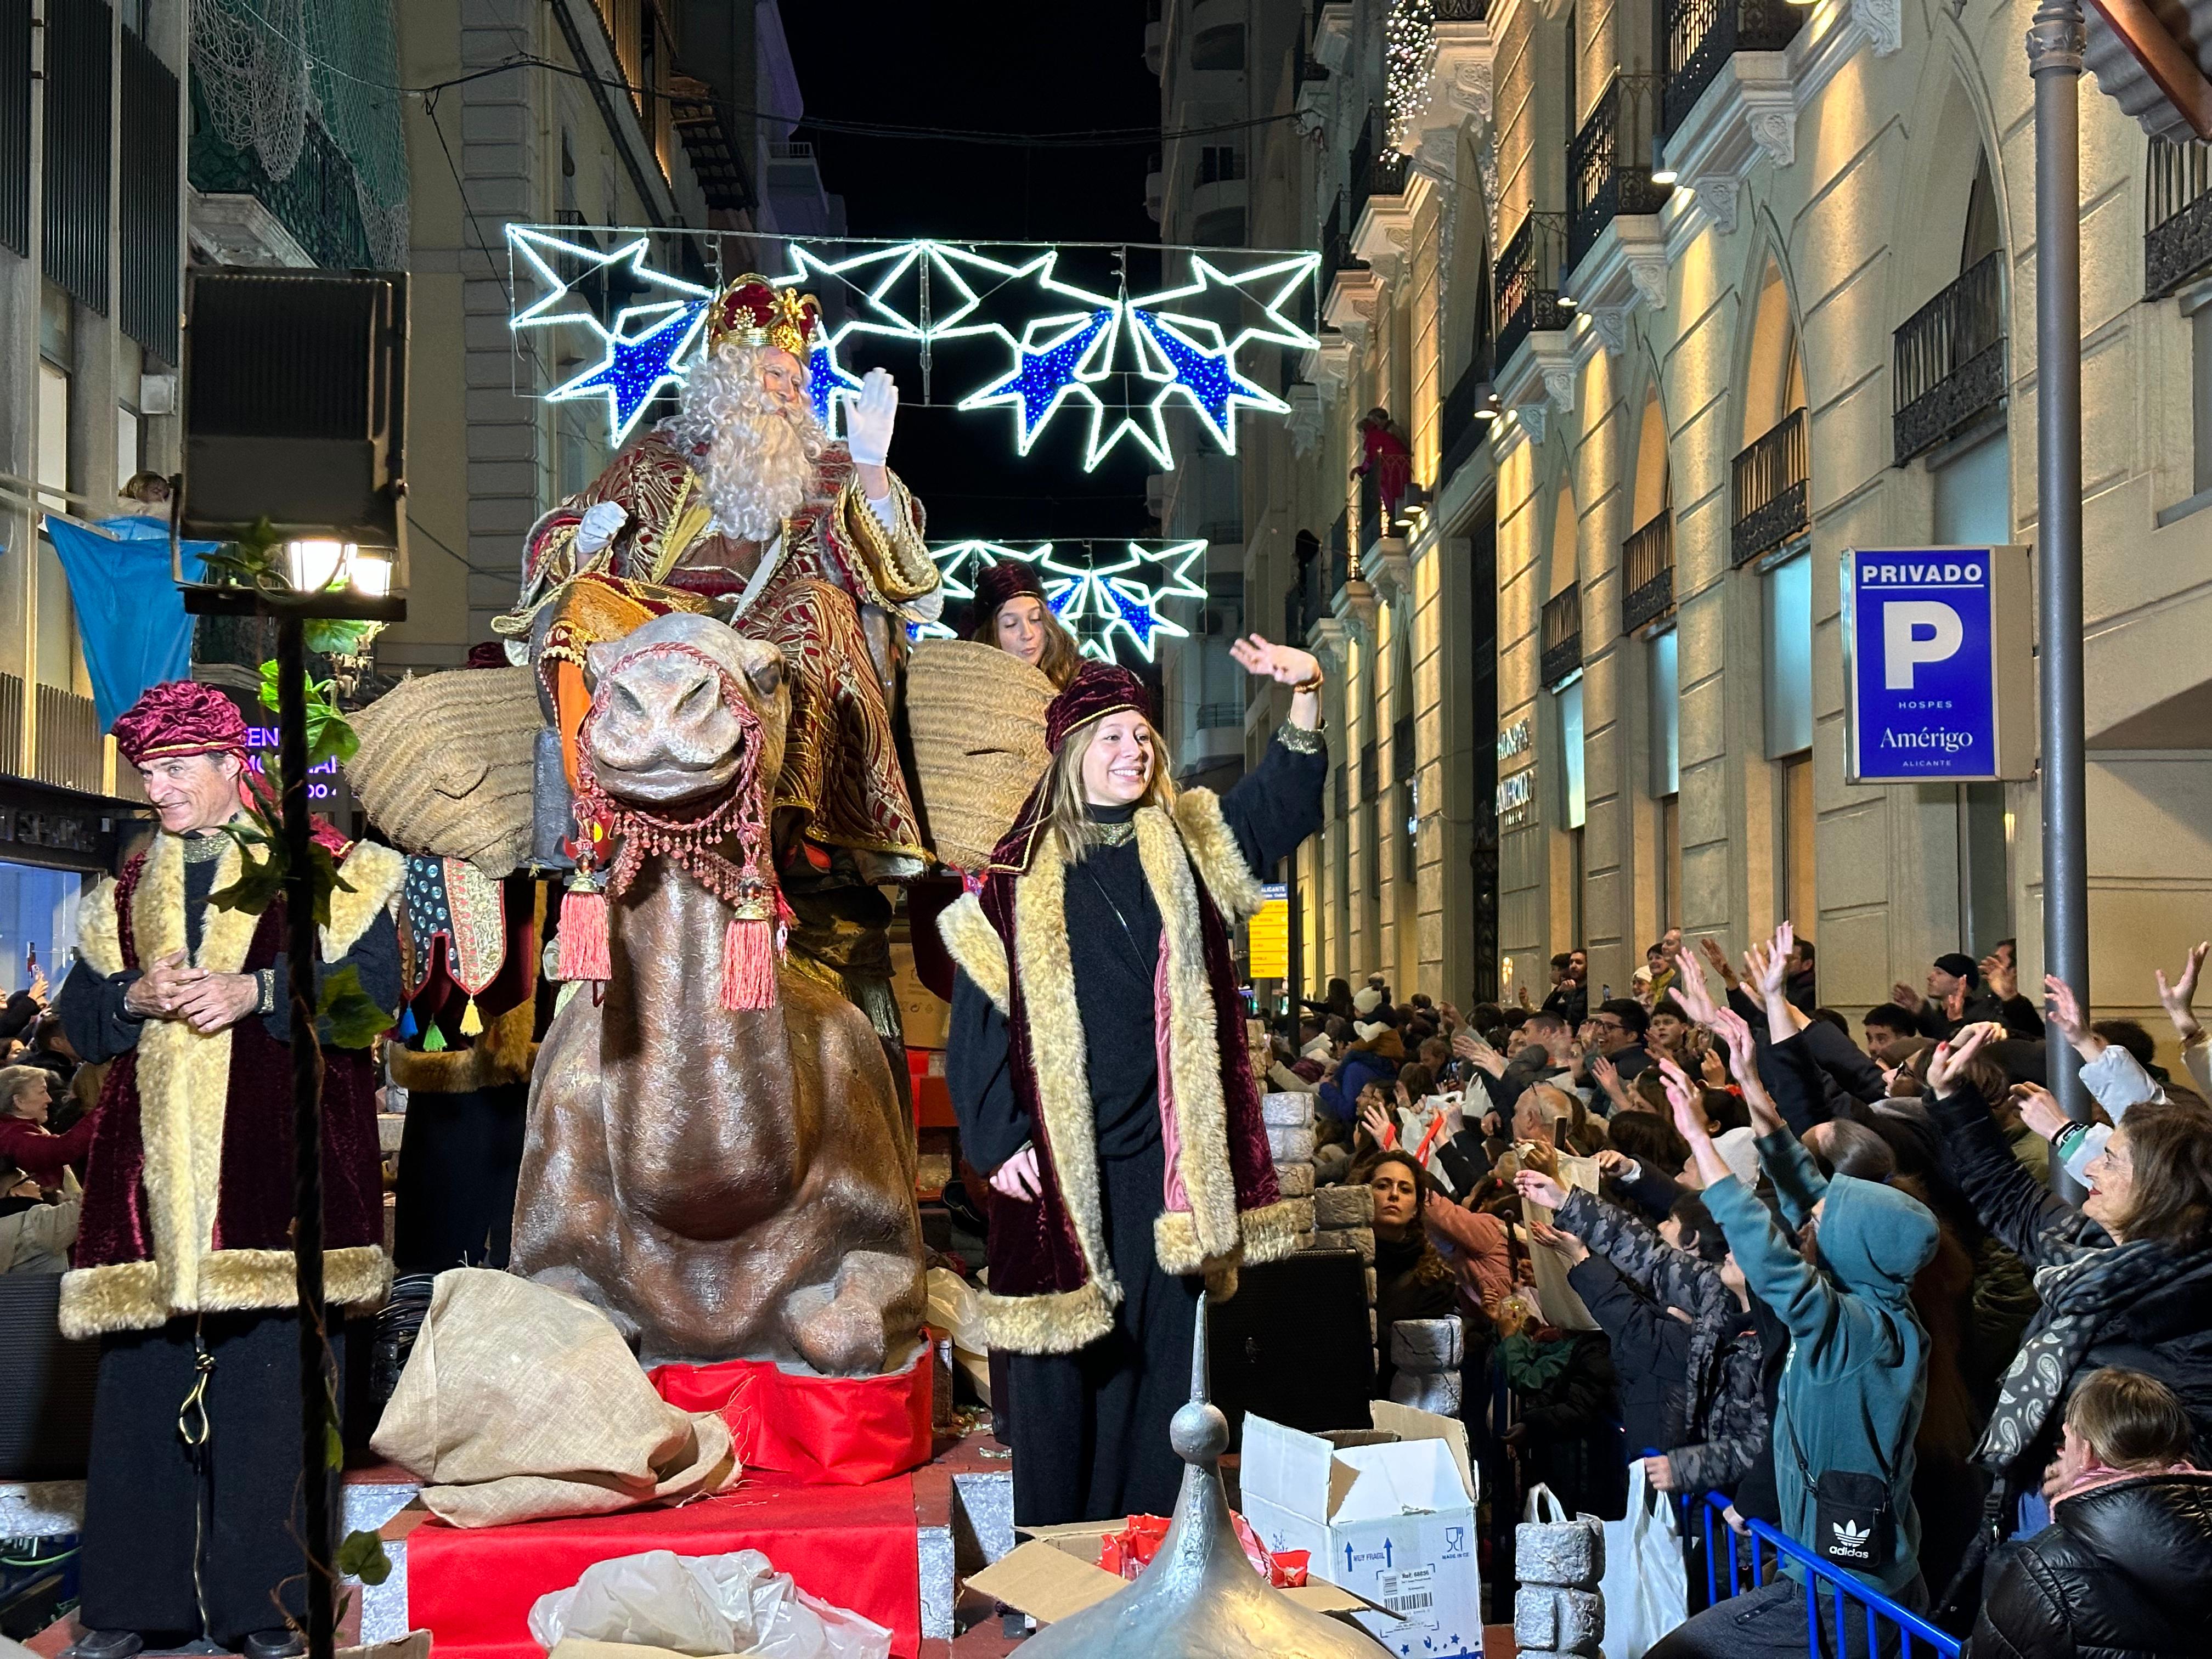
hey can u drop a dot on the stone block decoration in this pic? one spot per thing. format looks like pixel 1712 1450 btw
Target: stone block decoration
pixel 1295 1180
pixel 1558 1610
pixel 1344 1206
pixel 1290 1109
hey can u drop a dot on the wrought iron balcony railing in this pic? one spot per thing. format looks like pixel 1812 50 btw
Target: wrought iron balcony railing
pixel 2177 215
pixel 1462 11
pixel 1562 636
pixel 1529 282
pixel 1772 486
pixel 1374 172
pixel 1459 434
pixel 1336 242
pixel 1701 35
pixel 1948 360
pixel 1647 560
pixel 1371 527
pixel 1340 554
pixel 1609 163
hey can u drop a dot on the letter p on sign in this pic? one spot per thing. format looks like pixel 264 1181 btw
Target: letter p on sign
pixel 1915 631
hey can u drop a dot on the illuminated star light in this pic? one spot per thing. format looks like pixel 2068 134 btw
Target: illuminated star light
pixel 1047 376
pixel 533 245
pixel 634 368
pixel 1099 601
pixel 828 381
pixel 1217 302
pixel 1207 381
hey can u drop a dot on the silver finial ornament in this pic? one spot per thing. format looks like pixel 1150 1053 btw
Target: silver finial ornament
pixel 1200 1598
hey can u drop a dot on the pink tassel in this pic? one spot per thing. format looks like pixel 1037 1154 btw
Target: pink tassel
pixel 749 959
pixel 584 936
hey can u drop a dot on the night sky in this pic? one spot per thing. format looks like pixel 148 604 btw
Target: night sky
pixel 999 66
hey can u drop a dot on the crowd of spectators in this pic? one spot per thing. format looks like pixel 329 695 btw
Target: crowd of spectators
pixel 1881 1295
pixel 46 1129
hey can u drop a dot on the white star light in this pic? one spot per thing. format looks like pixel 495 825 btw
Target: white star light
pixel 533 246
pixel 1200 305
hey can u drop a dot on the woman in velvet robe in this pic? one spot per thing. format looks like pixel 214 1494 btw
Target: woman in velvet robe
pixel 1097 1064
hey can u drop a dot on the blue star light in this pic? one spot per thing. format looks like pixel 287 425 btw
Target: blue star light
pixel 634 368
pixel 1046 376
pixel 1207 381
pixel 1103 604
pixel 827 381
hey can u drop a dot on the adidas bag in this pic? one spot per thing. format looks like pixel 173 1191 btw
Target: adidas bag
pixel 1852 1522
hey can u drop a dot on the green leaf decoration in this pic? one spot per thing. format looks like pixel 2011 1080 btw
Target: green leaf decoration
pixel 255 560
pixel 329 736
pixel 360 1555
pixel 348 1015
pixel 332 636
pixel 261 866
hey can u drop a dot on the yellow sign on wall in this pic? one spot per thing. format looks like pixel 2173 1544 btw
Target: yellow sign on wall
pixel 1267 936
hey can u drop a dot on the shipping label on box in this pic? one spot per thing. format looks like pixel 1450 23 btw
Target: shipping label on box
pixel 1393 1522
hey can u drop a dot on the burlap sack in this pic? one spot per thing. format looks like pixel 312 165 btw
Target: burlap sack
pixel 519 1403
pixel 976 715
pixel 445 765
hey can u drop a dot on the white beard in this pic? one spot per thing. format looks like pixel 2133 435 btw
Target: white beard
pixel 759 458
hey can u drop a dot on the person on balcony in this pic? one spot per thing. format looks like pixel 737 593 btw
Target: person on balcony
pixel 1385 461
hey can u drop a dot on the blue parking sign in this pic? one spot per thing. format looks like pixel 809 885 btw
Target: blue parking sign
pixel 1938 676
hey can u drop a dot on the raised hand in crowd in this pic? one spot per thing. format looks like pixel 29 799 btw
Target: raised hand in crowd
pixel 1950 1058
pixel 2177 998
pixel 1618 1164
pixel 2064 1009
pixel 2038 1109
pixel 1711 1067
pixel 1539 1189
pixel 1767 970
pixel 1450 1015
pixel 1906 997
pixel 1522 991
pixel 1375 1120
pixel 1688 1105
pixel 2001 976
pixel 1466 1046
pixel 1543 1232
pixel 1719 958
pixel 1734 1031
pixel 1692 991
pixel 1603 1073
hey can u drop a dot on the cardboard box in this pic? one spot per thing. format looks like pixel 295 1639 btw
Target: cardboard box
pixel 1389 1516
pixel 1057 1573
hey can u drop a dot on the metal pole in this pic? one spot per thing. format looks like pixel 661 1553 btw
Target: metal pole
pixel 315 1385
pixel 2056 41
pixel 1298 962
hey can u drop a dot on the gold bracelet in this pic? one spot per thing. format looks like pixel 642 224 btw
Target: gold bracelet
pixel 1313 684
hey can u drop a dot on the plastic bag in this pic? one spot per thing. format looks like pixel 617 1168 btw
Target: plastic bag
pixel 704 1604
pixel 956 1310
pixel 1646 1585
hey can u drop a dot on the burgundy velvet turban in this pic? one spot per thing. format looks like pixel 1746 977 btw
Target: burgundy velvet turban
pixel 181 717
pixel 1099 689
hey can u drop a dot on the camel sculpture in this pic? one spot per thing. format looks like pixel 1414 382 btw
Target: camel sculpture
pixel 726 1183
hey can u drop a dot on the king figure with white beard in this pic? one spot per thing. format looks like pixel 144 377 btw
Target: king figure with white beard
pixel 740 505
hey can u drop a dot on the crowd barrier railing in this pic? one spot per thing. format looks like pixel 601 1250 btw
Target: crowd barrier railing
pixel 1850 1598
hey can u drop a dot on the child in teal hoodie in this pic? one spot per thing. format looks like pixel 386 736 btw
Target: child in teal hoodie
pixel 1857 1376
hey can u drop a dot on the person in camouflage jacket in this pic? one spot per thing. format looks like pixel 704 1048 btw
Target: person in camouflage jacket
pixel 1723 1420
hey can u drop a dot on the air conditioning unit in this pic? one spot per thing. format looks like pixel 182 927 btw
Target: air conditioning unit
pixel 295 401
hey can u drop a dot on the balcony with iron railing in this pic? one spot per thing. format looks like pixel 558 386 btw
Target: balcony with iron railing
pixel 1336 252
pixel 1469 409
pixel 1647 562
pixel 1371 527
pixel 1381 173
pixel 1529 282
pixel 1609 163
pixel 1772 491
pixel 1461 11
pixel 1948 360
pixel 2177 215
pixel 1701 35
pixel 1562 636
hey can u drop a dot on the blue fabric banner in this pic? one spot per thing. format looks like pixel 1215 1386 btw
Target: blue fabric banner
pixel 129 615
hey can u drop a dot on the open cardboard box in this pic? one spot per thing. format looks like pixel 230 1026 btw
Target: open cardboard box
pixel 1387 1514
pixel 1056 1573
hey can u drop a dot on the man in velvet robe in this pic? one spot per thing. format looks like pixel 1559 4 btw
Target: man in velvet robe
pixel 183 1267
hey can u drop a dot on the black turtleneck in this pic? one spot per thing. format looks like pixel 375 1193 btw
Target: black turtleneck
pixel 1114 939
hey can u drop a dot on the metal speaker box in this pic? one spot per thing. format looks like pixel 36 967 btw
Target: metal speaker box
pixel 296 403
pixel 1294 1344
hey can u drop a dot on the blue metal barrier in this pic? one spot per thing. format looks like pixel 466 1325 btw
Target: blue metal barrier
pixel 1911 1626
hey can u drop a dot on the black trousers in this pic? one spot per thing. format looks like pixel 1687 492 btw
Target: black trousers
pixel 459 1156
pixel 155 1504
pixel 1089 1429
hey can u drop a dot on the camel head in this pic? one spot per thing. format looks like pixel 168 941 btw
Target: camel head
pixel 662 731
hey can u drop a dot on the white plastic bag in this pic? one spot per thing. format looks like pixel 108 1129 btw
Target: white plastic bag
pixel 1646 1586
pixel 703 1604
pixel 955 1309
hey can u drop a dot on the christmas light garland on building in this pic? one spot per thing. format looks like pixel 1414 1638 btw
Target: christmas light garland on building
pixel 1124 360
pixel 1409 61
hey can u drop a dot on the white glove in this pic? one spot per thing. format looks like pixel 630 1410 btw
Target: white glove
pixel 601 523
pixel 868 418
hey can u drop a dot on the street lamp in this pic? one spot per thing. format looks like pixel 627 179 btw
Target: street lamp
pixel 325 579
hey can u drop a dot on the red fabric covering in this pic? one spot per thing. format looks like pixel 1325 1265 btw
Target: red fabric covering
pixel 822 1431
pixel 852 1547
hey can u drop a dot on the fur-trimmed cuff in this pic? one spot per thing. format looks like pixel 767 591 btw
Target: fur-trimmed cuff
pixel 1174 1242
pixel 374 873
pixel 126 1296
pixel 1272 1231
pixel 1221 1282
pixel 1220 861
pixel 1059 1321
pixel 975 947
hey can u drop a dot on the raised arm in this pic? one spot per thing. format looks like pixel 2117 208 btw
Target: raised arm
pixel 1278 803
pixel 2024 1214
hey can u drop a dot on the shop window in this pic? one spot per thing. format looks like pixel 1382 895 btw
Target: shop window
pixel 1796 897
pixel 38 925
pixel 1787 597
pixel 1662 664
